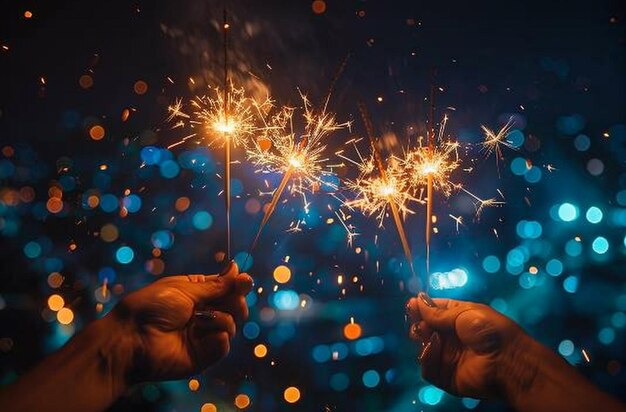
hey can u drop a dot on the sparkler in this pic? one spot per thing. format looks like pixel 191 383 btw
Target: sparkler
pixel 226 128
pixel 225 118
pixel 300 158
pixel 431 166
pixel 389 189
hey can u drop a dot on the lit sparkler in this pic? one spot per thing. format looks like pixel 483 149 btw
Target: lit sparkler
pixel 218 119
pixel 379 187
pixel 432 166
pixel 299 158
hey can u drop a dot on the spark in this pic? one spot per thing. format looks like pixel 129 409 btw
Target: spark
pixel 495 141
pixel 586 355
pixel 458 221
pixel 480 204
pixel 350 229
pixel 175 111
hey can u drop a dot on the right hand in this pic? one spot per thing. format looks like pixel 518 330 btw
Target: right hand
pixel 463 345
pixel 179 325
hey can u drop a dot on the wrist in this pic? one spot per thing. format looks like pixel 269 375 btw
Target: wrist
pixel 117 346
pixel 518 367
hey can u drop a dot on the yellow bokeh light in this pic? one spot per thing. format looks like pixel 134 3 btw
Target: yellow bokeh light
pixel 56 302
pixel 292 394
pixel 242 401
pixel 65 316
pixel 208 407
pixel 352 331
pixel 194 385
pixel 260 350
pixel 282 274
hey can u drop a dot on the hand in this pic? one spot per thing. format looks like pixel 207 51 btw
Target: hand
pixel 464 345
pixel 182 324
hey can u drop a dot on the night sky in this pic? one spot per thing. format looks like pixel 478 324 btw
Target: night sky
pixel 551 256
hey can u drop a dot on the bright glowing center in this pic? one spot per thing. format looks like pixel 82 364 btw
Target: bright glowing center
pixel 224 126
pixel 295 161
pixel 387 190
pixel 430 169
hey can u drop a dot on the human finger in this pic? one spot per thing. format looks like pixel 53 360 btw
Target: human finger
pixel 430 359
pixel 206 288
pixel 209 348
pixel 243 284
pixel 213 321
pixel 234 304
pixel 420 332
pixel 412 309
pixel 441 317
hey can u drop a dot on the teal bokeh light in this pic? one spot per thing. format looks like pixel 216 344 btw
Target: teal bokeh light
pixel 430 395
pixel 371 378
pixel 202 220
pixel 491 264
pixel 600 245
pixel 568 212
pixel 594 215
pixel 124 255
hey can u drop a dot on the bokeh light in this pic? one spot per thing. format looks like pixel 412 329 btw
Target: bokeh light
pixel 282 274
pixel 56 302
pixel 568 212
pixel 124 255
pixel 242 401
pixel 291 394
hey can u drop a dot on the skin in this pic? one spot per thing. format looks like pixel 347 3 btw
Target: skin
pixel 469 349
pixel 153 334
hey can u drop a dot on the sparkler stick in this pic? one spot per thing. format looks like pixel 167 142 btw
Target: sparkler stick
pixel 272 206
pixel 429 183
pixel 369 128
pixel 227 142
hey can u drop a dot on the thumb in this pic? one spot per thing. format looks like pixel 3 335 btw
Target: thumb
pixel 440 317
pixel 205 288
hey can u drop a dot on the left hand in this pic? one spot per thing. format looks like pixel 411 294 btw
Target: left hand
pixel 170 340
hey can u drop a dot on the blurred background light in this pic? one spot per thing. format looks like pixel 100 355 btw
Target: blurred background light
pixel 568 212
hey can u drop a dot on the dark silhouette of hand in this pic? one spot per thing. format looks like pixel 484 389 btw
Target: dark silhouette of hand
pixel 180 325
pixel 463 344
